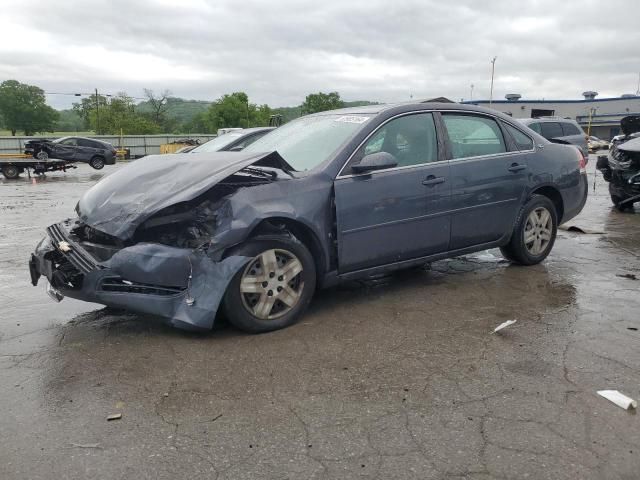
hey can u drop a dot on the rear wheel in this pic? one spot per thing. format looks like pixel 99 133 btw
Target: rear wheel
pixel 534 233
pixel 274 289
pixel 97 162
pixel 10 171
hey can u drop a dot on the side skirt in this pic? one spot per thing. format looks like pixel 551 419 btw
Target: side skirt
pixel 333 278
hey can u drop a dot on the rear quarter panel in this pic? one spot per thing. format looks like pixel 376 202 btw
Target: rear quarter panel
pixel 558 166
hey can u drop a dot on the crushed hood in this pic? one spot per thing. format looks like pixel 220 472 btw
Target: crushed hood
pixel 631 146
pixel 630 124
pixel 119 203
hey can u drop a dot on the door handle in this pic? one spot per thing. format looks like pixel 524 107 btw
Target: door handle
pixel 433 180
pixel 515 167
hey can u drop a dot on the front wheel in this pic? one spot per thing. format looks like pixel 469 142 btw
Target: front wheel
pixel 42 155
pixel 97 163
pixel 534 233
pixel 275 287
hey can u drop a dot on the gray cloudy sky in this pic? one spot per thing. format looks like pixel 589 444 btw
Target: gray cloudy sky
pixel 278 51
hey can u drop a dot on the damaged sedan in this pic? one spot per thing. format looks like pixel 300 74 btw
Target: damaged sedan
pixel 621 168
pixel 328 197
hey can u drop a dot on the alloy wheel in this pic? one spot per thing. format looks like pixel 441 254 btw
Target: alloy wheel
pixel 538 231
pixel 271 284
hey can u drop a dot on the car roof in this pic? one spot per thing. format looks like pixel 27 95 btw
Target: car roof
pixel 546 119
pixel 412 106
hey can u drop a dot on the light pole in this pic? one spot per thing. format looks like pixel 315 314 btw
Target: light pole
pixel 471 95
pixel 97 114
pixel 493 69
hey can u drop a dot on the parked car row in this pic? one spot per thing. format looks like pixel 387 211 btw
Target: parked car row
pixel 328 197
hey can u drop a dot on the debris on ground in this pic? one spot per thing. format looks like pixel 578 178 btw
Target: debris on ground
pixel 618 398
pixel 576 229
pixel 503 325
pixel 486 257
pixel 114 416
pixel 630 276
pixel 86 445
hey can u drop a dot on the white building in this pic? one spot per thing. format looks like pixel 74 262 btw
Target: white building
pixel 605 113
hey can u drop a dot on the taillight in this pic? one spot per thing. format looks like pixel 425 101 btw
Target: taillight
pixel 582 160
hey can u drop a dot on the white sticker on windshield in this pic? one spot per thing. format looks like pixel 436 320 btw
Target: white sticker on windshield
pixel 352 119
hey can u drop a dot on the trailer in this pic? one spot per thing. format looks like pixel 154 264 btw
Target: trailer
pixel 13 164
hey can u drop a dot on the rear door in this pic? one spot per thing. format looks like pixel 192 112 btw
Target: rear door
pixel 65 149
pixel 86 150
pixel 399 213
pixel 488 179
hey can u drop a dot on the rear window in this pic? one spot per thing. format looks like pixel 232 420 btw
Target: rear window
pixel 551 130
pixel 523 142
pixel 535 127
pixel 570 129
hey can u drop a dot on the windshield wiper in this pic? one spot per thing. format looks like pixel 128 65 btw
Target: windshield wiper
pixel 258 172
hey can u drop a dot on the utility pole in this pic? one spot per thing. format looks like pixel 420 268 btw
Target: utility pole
pixel 638 89
pixel 493 69
pixel 97 114
pixel 471 96
pixel 592 111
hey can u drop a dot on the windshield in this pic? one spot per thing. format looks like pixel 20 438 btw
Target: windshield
pixel 308 141
pixel 218 142
pixel 58 140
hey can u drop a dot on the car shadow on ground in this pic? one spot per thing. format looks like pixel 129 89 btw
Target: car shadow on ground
pixel 425 280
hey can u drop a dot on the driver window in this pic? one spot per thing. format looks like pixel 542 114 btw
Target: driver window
pixel 411 139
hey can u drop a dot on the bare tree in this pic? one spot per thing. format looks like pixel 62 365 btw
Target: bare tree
pixel 158 104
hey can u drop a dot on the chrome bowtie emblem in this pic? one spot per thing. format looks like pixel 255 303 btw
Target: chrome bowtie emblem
pixel 64 246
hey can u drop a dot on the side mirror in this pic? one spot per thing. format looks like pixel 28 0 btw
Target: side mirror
pixel 375 161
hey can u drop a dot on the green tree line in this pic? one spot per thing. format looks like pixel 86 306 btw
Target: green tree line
pixel 23 109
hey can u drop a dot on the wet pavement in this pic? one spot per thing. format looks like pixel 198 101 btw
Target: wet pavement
pixel 399 378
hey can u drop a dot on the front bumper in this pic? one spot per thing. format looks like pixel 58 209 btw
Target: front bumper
pixel 182 286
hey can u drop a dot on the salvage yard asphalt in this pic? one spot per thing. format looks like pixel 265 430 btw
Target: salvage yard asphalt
pixel 394 378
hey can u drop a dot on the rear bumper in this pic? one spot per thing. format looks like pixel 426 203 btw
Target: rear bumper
pixel 181 286
pixel 575 199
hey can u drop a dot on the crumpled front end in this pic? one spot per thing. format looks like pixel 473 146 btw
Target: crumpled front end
pixel 622 168
pixel 182 285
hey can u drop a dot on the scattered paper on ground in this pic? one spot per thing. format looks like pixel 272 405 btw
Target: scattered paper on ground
pixel 114 416
pixel 618 398
pixel 504 325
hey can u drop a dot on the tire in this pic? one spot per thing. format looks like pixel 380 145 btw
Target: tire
pixel 42 155
pixel 97 163
pixel 538 227
pixel 261 308
pixel 616 200
pixel 10 172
